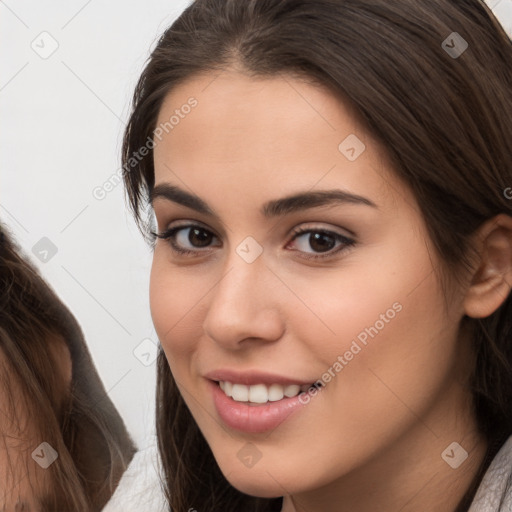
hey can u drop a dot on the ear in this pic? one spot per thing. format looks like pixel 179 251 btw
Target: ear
pixel 491 283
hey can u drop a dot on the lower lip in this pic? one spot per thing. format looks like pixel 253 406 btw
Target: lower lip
pixel 253 419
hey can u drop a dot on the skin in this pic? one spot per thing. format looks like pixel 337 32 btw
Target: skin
pixel 372 439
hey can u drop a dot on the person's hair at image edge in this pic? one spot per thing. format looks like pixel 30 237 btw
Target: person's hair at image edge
pixel 446 125
pixel 77 418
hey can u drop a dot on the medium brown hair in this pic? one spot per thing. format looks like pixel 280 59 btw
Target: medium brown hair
pixel 77 418
pixel 445 123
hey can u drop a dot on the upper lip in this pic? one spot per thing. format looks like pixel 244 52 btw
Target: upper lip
pixel 252 377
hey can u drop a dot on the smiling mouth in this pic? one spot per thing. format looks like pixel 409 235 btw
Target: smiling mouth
pixel 261 394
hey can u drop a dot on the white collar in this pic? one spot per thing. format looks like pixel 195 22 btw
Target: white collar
pixel 494 493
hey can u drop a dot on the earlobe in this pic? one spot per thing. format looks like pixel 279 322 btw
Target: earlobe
pixel 492 281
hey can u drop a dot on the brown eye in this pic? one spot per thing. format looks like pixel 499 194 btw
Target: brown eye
pixel 186 239
pixel 319 243
pixel 199 237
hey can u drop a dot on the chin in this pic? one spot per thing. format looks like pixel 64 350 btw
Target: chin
pixel 265 489
pixel 259 484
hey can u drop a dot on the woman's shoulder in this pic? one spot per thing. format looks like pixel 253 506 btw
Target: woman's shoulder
pixel 139 488
pixel 495 491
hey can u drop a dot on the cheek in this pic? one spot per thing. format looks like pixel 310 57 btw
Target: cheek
pixel 385 321
pixel 359 301
pixel 177 310
pixel 170 299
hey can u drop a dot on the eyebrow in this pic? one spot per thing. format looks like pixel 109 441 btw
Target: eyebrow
pixel 274 208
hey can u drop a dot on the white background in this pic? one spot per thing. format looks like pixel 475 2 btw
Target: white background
pixel 62 119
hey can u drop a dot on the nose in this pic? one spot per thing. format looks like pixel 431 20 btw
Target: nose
pixel 244 306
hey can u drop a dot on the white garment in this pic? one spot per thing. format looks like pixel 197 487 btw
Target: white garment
pixel 493 495
pixel 139 489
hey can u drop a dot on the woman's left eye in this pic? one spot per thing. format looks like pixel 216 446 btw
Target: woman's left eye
pixel 192 239
pixel 323 242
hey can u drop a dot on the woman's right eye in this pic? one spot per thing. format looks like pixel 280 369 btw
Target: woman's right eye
pixel 187 239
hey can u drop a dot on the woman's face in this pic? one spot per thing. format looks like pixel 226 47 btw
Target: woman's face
pixel 278 293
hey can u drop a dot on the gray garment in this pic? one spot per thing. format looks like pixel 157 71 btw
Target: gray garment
pixel 495 491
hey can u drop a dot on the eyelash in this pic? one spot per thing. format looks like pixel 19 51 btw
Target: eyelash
pixel 169 234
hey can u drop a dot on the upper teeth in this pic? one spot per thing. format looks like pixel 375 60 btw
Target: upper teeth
pixel 260 393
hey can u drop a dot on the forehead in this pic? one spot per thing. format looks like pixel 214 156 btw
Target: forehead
pixel 237 100
pixel 264 133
